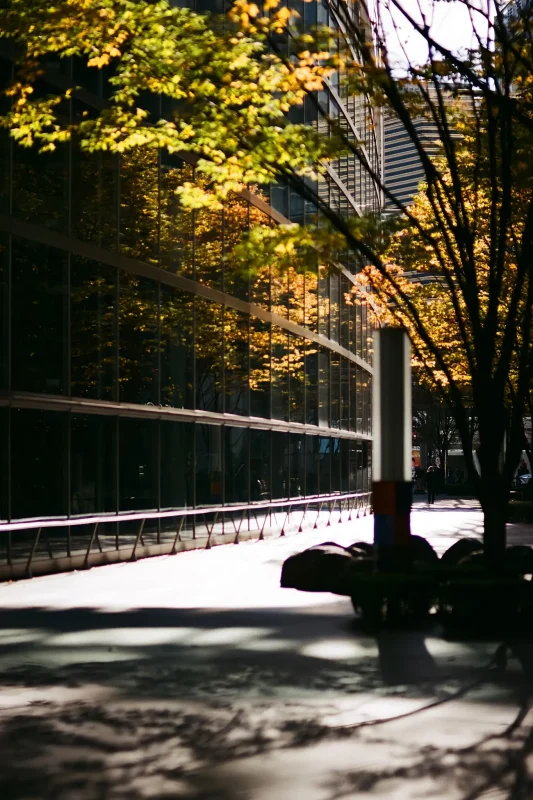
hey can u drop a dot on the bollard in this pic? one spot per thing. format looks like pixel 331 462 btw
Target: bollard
pixel 392 433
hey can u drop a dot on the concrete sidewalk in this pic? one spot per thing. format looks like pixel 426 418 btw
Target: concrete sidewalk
pixel 195 676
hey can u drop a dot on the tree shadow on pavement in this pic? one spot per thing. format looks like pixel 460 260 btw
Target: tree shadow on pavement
pixel 153 702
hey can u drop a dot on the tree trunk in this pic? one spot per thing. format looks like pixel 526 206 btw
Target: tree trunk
pixel 494 504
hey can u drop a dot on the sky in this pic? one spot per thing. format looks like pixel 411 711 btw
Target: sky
pixel 450 24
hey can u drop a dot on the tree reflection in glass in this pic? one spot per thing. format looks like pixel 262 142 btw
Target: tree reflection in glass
pixel 208 349
pixel 92 329
pixel 138 340
pixel 236 362
pixel 176 347
pixel 280 373
pixel 139 205
pixel 260 374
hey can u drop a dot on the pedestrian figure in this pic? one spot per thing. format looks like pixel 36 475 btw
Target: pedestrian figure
pixel 431 481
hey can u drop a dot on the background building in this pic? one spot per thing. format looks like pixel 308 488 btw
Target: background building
pixel 402 167
pixel 517 9
pixel 141 372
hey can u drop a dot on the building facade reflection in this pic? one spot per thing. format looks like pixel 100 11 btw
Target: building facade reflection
pixel 202 383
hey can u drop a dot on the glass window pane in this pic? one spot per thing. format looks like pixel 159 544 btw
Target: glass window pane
pixel 297 378
pixel 139 204
pixel 367 392
pixel 280 373
pixel 311 465
pixel 139 464
pixel 296 206
pixel 359 467
pixel 260 276
pixel 208 247
pixel 279 199
pixel 177 464
pixel 345 465
pixel 353 396
pixel 236 356
pixel 260 483
pixel 296 298
pixel 94 198
pixel 208 464
pixel 310 12
pixel 176 346
pixel 368 455
pixel 324 469
pixel 6 143
pixel 280 465
pixel 259 368
pixel 335 389
pixel 323 387
pixel 208 351
pixel 335 465
pixel 311 299
pixel 345 312
pixel 323 301
pixel 345 394
pixel 235 225
pixel 352 465
pixel 176 223
pixel 40 186
pixel 138 340
pixel 356 329
pixel 39 318
pixel 260 287
pixel 93 330
pixel 360 400
pixel 4 311
pixel 5 183
pixel 311 383
pixel 280 291
pixel 334 309
pixel 371 322
pixel 236 464
pixel 297 463
pixel 4 463
pixel 365 466
pixel 93 464
pixel 38 463
pixel 364 334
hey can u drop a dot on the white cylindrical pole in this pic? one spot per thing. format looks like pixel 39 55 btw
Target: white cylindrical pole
pixel 392 434
pixel 391 402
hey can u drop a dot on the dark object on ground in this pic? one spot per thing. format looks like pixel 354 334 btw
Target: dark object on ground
pixel 474 601
pixel 423 551
pixel 519 560
pixel 479 604
pixel 520 511
pixel 460 550
pixel 401 558
pixel 475 562
pixel 365 546
pixel 405 588
pixel 357 552
pixel 411 580
pixel 319 569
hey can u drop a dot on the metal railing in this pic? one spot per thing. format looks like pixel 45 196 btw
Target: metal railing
pixel 41 546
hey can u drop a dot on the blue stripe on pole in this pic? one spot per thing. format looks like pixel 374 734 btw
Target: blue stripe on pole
pixel 384 529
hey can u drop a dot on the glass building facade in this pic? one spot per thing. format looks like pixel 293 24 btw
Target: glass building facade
pixel 140 370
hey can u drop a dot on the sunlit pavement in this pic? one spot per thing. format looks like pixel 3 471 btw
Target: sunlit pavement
pixel 196 676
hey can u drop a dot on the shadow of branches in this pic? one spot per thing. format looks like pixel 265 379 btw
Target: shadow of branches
pixel 136 717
